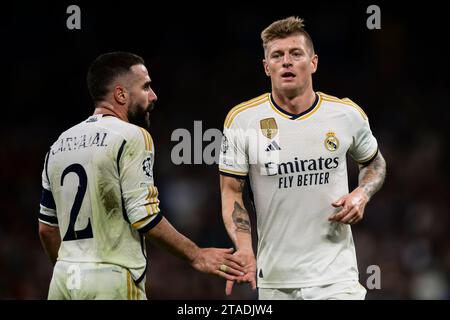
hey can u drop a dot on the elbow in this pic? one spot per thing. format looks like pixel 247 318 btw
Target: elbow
pixel 47 232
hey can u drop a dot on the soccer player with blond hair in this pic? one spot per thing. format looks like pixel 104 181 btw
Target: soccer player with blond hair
pixel 291 145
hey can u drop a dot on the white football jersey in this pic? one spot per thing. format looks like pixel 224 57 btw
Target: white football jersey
pixel 98 189
pixel 296 165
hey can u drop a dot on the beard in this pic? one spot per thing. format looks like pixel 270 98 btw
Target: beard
pixel 139 115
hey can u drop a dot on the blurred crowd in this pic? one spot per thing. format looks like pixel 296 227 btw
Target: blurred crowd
pixel 405 230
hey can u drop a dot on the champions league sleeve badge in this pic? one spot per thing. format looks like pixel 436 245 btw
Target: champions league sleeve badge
pixel 147 167
pixel 224 146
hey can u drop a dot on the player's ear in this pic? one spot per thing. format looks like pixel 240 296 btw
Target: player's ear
pixel 314 63
pixel 266 67
pixel 120 95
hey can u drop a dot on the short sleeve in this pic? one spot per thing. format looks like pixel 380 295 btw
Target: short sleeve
pixel 364 146
pixel 47 212
pixel 140 195
pixel 233 159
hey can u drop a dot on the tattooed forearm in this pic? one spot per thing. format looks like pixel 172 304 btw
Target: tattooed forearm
pixel 241 219
pixel 371 177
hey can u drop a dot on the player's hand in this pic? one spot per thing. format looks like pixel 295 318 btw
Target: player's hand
pixel 353 205
pixel 220 262
pixel 249 261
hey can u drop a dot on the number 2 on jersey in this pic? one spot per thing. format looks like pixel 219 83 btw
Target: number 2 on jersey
pixel 86 233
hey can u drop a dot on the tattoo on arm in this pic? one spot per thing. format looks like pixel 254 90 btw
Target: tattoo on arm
pixel 241 219
pixel 371 177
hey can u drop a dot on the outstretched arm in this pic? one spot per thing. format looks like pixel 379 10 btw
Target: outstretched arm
pixel 371 178
pixel 208 260
pixel 50 239
pixel 237 223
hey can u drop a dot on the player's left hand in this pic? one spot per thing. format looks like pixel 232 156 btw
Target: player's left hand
pixel 353 205
pixel 220 262
pixel 249 262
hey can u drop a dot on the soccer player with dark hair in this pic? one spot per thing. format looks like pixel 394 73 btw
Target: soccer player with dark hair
pixel 99 200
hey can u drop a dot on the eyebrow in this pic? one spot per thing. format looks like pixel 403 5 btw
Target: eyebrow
pixel 290 50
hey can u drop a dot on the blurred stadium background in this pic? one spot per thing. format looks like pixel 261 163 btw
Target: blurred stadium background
pixel 203 60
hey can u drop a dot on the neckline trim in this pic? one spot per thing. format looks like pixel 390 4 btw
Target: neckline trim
pixel 292 116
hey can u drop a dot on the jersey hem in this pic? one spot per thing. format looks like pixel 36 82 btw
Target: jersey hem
pixel 293 285
pixel 228 174
pixel 49 223
pixel 151 224
pixel 366 161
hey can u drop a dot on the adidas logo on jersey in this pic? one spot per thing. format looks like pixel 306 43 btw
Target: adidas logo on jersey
pixel 273 146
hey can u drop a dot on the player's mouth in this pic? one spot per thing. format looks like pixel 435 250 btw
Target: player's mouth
pixel 149 109
pixel 287 75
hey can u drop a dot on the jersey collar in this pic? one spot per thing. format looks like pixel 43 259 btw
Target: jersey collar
pixel 299 116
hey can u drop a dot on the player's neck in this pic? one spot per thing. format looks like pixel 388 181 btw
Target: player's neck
pixel 107 108
pixel 294 104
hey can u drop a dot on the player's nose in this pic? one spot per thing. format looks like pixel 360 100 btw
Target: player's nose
pixel 152 95
pixel 287 60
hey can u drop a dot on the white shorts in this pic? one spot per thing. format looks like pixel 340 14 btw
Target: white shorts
pixel 346 290
pixel 89 281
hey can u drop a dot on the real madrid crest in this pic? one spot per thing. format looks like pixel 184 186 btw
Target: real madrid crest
pixel 269 127
pixel 331 142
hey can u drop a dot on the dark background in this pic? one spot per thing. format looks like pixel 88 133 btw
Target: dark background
pixel 204 59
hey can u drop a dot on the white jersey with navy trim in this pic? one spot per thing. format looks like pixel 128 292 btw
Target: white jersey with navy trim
pixel 297 167
pixel 98 189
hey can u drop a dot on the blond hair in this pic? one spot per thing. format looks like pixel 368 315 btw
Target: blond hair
pixel 284 28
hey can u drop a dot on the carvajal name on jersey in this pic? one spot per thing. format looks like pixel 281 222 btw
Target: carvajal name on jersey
pixel 323 165
pixel 80 142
